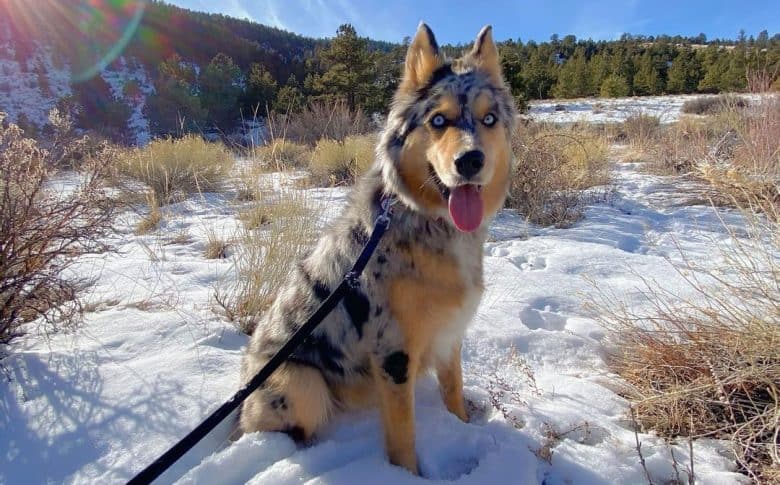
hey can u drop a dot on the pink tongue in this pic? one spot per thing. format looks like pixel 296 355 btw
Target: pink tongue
pixel 466 207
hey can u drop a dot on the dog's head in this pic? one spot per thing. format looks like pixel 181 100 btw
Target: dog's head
pixel 447 141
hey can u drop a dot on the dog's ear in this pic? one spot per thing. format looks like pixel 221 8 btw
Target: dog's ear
pixel 485 54
pixel 422 59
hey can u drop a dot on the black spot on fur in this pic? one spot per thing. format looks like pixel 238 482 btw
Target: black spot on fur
pixel 377 275
pixel 396 365
pixel 357 305
pixel 279 402
pixel 296 433
pixel 318 351
pixel 319 288
pixel 381 259
pixel 439 74
pixel 359 236
pixel 378 311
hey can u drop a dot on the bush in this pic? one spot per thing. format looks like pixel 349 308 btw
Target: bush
pixel 263 256
pixel 336 163
pixel 43 230
pixel 709 366
pixel 681 147
pixel 282 154
pixel 744 164
pixel 641 130
pixel 333 121
pixel 177 167
pixel 553 168
pixel 709 105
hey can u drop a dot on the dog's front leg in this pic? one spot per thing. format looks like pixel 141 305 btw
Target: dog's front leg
pixel 395 374
pixel 450 378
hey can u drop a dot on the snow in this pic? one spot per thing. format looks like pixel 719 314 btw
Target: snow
pixel 152 359
pixel 612 110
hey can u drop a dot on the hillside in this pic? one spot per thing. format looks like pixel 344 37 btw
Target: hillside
pixel 133 73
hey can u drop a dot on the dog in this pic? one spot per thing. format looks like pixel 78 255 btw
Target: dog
pixel 445 156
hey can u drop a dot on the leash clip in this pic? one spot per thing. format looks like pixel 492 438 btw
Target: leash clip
pixel 387 204
pixel 353 280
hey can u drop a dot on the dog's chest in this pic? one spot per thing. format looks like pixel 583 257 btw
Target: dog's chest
pixel 436 297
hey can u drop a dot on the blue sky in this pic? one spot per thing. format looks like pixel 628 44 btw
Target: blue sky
pixel 456 21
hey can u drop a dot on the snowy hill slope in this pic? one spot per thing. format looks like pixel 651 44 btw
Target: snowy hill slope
pixel 31 88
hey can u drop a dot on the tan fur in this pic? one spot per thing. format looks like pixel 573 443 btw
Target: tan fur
pixel 413 168
pixel 450 378
pixel 421 61
pixel 306 395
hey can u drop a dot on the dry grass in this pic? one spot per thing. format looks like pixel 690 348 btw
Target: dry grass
pixel 282 154
pixel 281 208
pixel 173 168
pixel 264 255
pixel 641 131
pixel 744 165
pixel 332 121
pixel 216 247
pixel 341 162
pixel 681 146
pixel 44 229
pixel 709 366
pixel 553 168
pixel 151 221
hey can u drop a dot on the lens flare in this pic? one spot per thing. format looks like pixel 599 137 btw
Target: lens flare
pixel 101 20
pixel 90 33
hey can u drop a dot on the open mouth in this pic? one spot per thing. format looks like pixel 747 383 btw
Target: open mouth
pixel 464 203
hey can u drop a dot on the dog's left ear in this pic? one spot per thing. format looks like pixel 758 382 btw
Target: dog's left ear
pixel 485 54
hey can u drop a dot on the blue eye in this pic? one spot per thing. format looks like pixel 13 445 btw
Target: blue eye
pixel 489 119
pixel 438 121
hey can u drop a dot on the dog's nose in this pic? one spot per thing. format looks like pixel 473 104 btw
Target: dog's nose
pixel 470 163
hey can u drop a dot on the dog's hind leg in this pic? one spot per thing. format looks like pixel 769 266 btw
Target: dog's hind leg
pixel 295 400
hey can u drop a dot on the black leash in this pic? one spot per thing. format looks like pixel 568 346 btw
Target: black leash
pixel 151 472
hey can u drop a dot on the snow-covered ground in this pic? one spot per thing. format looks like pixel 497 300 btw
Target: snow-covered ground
pixel 611 110
pixel 152 359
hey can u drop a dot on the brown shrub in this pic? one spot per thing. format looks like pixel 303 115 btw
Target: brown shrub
pixel 44 229
pixel 710 105
pixel 709 366
pixel 553 167
pixel 282 154
pixel 341 162
pixel 330 120
pixel 176 167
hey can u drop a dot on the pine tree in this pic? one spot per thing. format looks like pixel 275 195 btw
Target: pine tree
pixel 598 70
pixel 261 91
pixel 349 68
pixel 220 91
pixel 685 73
pixel 175 108
pixel 289 99
pixel 614 86
pixel 716 63
pixel 646 79
pixel 573 77
pixel 538 75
